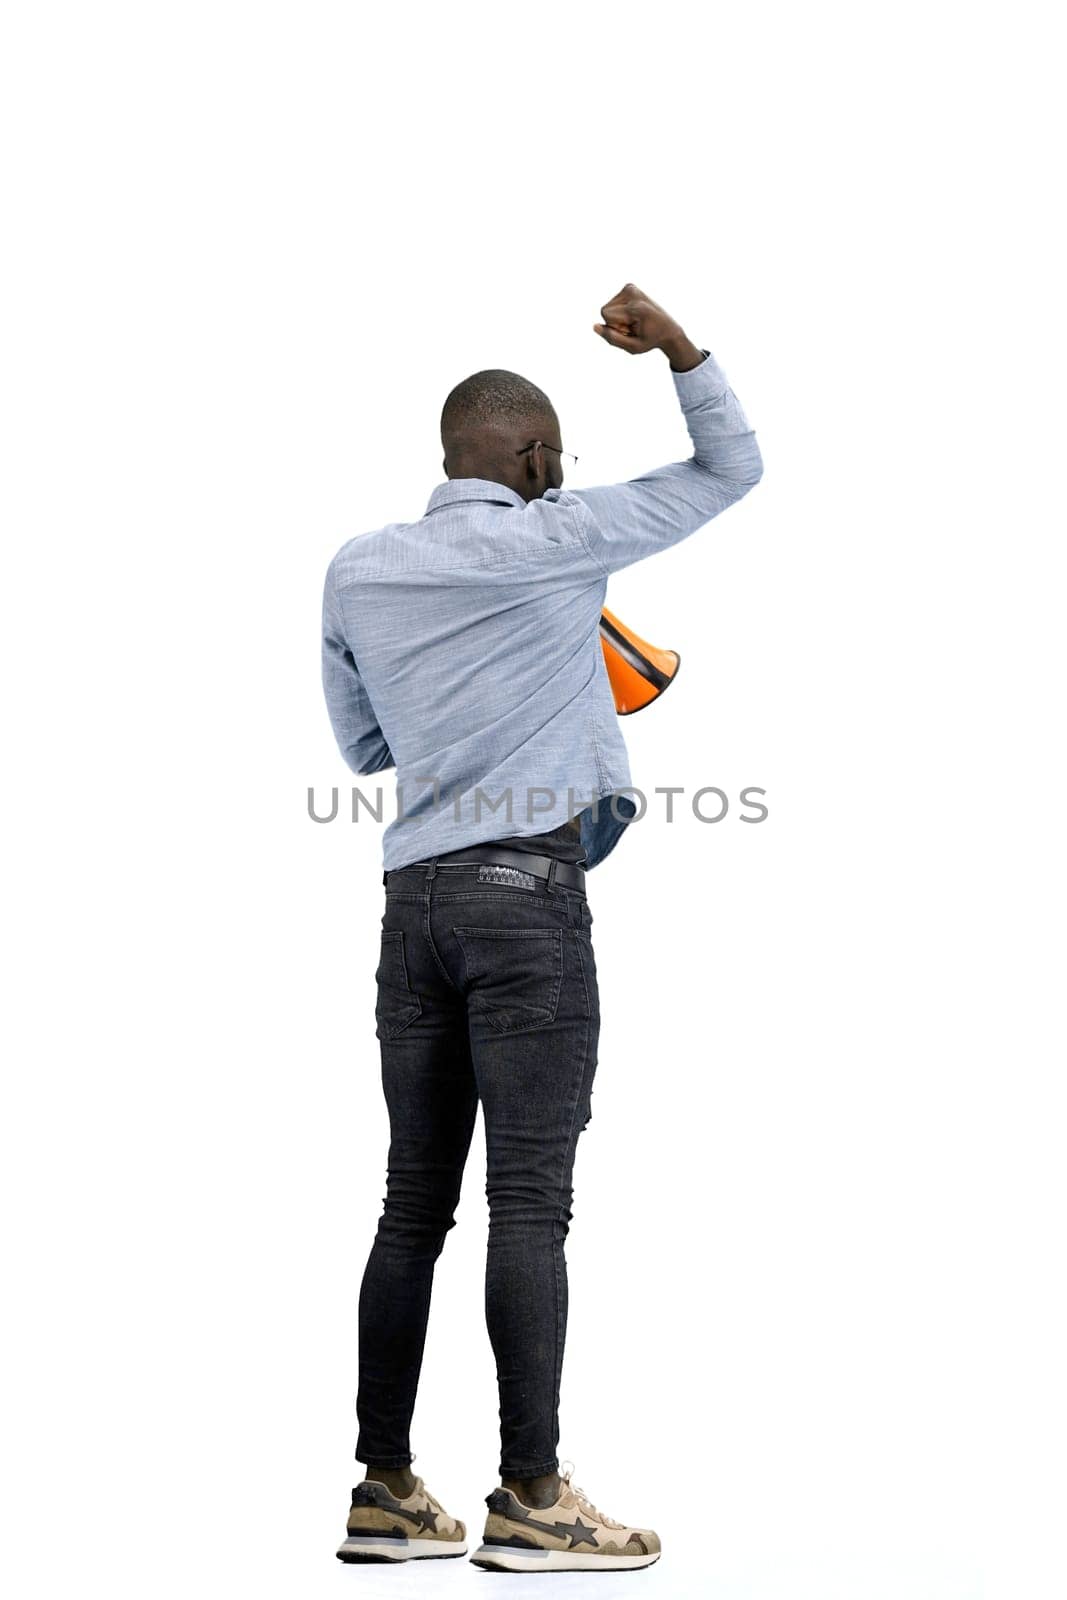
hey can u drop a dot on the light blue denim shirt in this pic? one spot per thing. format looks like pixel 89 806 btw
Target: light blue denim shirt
pixel 464 649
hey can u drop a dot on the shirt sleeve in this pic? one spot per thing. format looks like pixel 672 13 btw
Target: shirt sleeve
pixel 624 522
pixel 355 726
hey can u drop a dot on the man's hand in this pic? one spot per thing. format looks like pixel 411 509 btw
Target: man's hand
pixel 634 323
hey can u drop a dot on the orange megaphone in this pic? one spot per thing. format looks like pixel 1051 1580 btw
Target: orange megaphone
pixel 638 672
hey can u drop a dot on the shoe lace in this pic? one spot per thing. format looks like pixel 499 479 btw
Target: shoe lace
pixel 583 1499
pixel 432 1499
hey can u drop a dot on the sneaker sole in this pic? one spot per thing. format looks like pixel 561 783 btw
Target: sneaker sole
pixel 366 1547
pixel 509 1558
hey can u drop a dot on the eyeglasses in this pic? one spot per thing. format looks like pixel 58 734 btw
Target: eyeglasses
pixel 564 455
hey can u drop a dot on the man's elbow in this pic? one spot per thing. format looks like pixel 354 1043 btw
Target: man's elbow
pixel 366 759
pixel 748 469
pixel 737 471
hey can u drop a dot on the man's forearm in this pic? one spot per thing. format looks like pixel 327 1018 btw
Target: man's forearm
pixel 682 353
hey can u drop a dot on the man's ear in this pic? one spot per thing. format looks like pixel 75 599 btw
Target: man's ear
pixel 534 463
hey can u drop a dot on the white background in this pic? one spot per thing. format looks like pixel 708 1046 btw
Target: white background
pixel 817 1316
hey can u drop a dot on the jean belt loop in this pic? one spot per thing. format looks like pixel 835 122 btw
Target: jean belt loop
pixel 552 875
pixel 432 870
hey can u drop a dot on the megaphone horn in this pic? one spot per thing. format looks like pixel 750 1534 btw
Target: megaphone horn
pixel 638 671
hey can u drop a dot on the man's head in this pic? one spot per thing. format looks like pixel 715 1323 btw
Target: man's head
pixel 485 424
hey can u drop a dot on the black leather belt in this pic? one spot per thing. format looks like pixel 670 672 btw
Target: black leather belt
pixel 547 867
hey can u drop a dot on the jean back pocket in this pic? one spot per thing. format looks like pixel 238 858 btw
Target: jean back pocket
pixel 513 974
pixel 397 1004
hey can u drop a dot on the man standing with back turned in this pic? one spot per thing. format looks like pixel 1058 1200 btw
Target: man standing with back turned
pixel 464 650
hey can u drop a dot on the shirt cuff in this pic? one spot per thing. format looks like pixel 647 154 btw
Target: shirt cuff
pixel 705 382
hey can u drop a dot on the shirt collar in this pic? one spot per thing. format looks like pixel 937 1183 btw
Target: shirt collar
pixel 455 490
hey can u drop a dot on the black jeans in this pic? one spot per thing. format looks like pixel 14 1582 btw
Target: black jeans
pixel 486 991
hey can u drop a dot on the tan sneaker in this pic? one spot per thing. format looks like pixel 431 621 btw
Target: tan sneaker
pixel 383 1528
pixel 570 1536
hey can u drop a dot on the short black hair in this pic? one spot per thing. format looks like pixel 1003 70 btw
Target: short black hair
pixel 493 395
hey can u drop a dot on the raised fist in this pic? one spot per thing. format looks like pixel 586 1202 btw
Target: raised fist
pixel 635 323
